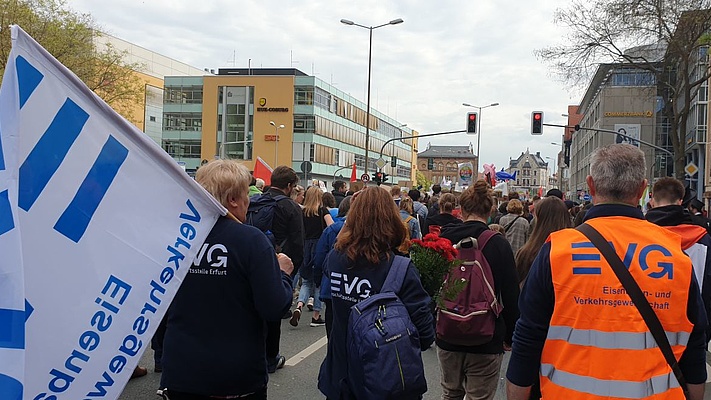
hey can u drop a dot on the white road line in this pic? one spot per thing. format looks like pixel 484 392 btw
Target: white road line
pixel 306 352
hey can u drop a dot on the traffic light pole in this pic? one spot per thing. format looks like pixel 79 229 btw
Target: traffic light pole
pixel 580 128
pixel 415 137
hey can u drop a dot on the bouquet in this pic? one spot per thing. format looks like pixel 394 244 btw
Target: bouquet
pixel 434 258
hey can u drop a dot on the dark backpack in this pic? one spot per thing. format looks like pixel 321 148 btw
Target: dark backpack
pixel 470 318
pixel 384 355
pixel 260 213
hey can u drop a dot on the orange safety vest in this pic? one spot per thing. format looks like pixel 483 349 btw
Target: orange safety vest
pixel 598 346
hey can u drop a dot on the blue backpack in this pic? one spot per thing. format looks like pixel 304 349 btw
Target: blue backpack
pixel 384 356
pixel 260 214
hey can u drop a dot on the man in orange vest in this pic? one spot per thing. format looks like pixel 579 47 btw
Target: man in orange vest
pixel 579 332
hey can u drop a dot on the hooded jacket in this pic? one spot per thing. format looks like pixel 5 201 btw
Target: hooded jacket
pixel 695 242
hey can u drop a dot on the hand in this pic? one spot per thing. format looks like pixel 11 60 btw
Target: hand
pixel 285 263
pixel 507 347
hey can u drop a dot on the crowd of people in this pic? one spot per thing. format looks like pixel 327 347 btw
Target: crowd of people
pixel 565 314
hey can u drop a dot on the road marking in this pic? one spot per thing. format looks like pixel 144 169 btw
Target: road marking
pixel 306 352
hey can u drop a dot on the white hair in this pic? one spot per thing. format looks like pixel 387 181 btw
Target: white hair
pixel 618 171
pixel 259 184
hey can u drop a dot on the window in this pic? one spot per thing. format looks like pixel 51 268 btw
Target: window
pixel 152 118
pixel 183 95
pixel 235 122
pixel 182 121
pixel 632 77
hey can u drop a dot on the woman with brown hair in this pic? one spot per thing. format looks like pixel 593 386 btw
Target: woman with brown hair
pixel 357 266
pixel 515 224
pixel 447 203
pixel 551 215
pixel 474 370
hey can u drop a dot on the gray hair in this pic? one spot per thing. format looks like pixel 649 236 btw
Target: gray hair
pixel 618 170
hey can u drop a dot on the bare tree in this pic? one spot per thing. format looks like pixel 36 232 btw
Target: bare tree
pixel 674 37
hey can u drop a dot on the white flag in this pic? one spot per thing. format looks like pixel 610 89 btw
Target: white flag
pixel 109 225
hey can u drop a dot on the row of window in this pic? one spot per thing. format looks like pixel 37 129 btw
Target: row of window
pixel 182 121
pixel 182 148
pixel 632 77
pixel 182 95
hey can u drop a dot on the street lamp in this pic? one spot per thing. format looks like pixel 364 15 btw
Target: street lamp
pixel 554 162
pixel 276 141
pixel 478 139
pixel 370 57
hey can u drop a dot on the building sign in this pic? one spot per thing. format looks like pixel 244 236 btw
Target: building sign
pixel 263 107
pixel 632 130
pixel 271 138
pixel 647 114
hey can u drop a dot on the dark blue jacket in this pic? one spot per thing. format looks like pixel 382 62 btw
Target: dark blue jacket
pixel 536 305
pixel 324 245
pixel 214 341
pixel 351 282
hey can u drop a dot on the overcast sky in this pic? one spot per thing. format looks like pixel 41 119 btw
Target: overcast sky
pixel 446 53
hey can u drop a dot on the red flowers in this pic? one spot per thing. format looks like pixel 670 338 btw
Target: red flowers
pixel 434 257
pixel 438 244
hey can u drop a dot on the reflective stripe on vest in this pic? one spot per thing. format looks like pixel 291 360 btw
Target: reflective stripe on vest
pixel 599 387
pixel 613 340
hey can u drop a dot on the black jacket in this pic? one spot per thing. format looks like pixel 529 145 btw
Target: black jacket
pixel 339 196
pixel 288 228
pixel 440 219
pixel 500 257
pixel 700 220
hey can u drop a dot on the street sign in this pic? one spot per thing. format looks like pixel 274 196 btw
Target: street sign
pixel 587 197
pixel 691 169
pixel 381 162
pixel 306 166
pixel 365 178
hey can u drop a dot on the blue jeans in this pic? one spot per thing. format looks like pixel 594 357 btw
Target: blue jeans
pixel 308 289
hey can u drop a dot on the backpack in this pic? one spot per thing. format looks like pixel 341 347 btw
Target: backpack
pixel 260 214
pixel 384 355
pixel 470 318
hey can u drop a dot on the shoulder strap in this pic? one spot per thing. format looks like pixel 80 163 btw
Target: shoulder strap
pixel 638 298
pixel 396 275
pixel 409 218
pixel 506 228
pixel 484 237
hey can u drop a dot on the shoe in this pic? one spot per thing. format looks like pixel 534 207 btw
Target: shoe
pixel 139 372
pixel 275 364
pixel 287 315
pixel 318 322
pixel 310 304
pixel 295 316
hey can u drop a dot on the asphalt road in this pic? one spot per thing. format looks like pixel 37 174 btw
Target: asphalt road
pixel 304 348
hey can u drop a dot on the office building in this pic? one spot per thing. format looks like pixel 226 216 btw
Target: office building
pixel 239 113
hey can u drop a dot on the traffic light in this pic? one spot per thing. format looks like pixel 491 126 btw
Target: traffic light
pixel 384 177
pixel 537 123
pixel 430 164
pixel 393 161
pixel 377 176
pixel 471 123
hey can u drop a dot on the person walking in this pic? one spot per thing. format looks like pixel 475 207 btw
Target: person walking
pixel 473 371
pixel 364 253
pixel 577 318
pixel 408 216
pixel 316 218
pixel 217 321
pixel 515 225
pixel 443 217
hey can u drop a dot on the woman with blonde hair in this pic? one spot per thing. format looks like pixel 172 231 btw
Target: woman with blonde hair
pixel 316 219
pixel 225 311
pixel 297 194
pixel 515 224
pixel 407 215
pixel 474 370
pixel 364 253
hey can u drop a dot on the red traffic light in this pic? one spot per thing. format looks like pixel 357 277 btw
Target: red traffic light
pixel 472 117
pixel 536 116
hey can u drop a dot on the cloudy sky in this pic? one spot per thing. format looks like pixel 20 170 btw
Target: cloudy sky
pixel 447 52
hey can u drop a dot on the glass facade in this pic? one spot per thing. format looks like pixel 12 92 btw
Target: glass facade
pixel 182 119
pixel 235 122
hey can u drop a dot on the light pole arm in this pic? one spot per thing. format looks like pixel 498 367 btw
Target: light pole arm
pixel 340 169
pixel 580 128
pixel 415 137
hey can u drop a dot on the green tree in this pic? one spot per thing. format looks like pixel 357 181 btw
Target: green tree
pixel 668 38
pixel 423 181
pixel 70 37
